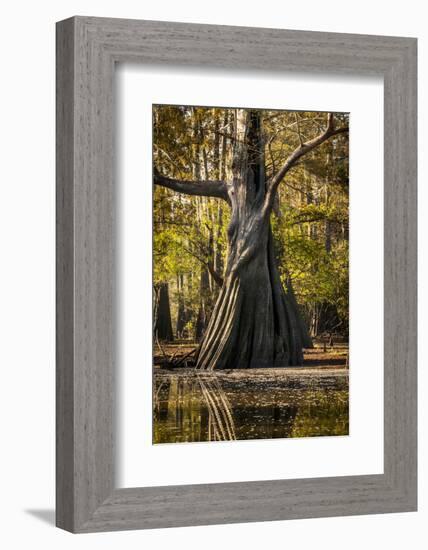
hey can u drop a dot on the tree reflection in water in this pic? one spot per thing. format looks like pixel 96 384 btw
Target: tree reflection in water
pixel 191 408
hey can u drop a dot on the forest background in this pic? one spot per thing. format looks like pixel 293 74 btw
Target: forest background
pixel 310 222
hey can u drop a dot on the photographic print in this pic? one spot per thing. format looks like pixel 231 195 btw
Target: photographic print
pixel 250 274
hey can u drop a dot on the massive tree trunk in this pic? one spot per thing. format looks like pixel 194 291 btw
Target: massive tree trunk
pixel 254 324
pixel 300 320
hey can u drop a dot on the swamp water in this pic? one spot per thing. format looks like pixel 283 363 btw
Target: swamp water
pixel 231 405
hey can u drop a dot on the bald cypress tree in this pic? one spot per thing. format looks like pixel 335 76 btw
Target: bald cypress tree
pixel 254 323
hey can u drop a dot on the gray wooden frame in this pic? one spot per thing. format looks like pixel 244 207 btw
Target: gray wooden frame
pixel 87 50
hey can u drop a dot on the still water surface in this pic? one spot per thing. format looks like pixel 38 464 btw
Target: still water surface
pixel 193 407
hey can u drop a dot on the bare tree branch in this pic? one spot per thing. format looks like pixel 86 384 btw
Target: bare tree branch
pixel 296 116
pixel 218 279
pixel 202 188
pixel 298 153
pixel 173 163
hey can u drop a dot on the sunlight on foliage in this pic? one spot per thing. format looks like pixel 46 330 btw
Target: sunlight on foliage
pixel 310 224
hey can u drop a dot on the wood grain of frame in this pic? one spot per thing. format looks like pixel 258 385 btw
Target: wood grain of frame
pixel 87 50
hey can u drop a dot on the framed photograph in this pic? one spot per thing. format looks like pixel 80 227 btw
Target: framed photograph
pixel 245 258
pixel 236 274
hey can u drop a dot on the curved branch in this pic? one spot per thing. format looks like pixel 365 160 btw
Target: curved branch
pixel 218 279
pixel 298 153
pixel 203 188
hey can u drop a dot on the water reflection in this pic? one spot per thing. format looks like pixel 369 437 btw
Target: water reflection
pixel 194 407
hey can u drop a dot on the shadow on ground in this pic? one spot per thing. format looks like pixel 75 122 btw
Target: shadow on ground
pixel 43 514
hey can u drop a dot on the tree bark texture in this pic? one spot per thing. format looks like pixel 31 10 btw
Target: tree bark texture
pixel 253 324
